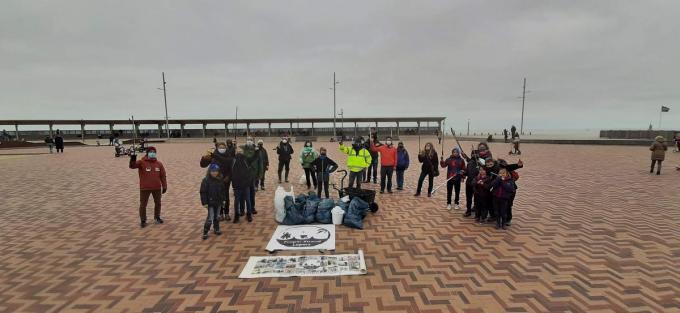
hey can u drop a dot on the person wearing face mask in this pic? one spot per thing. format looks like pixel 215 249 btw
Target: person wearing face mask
pixel 429 168
pixel 285 151
pixel 358 159
pixel 152 182
pixel 242 183
pixel 223 156
pixel 402 164
pixel 263 165
pixel 251 157
pixel 323 166
pixel 372 169
pixel 388 162
pixel 307 156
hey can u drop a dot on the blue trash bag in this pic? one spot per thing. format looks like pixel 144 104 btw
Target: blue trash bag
pixel 309 210
pixel 301 198
pixel 354 216
pixel 323 211
pixel 342 205
pixel 294 215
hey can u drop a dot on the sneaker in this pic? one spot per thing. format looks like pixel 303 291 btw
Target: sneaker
pixel 279 181
pixel 254 211
pixel 498 226
pixel 158 220
pixel 262 188
pixel 389 191
pixel 417 194
pixel 457 207
pixel 503 227
pixel 429 195
pixel 467 214
pixel 142 224
pixel 227 217
pixel 658 173
pixel 236 217
pixel 249 218
pixel 507 223
pixel 448 207
pixel 205 236
pixel 382 191
pixel 217 232
pixel 286 180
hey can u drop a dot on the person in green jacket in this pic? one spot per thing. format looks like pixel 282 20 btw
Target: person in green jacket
pixel 358 159
pixel 250 152
pixel 307 156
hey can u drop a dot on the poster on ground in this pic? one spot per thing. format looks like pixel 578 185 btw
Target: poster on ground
pixel 304 265
pixel 303 237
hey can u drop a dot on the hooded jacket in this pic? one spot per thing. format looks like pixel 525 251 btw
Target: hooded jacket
pixel 213 191
pixel 252 158
pixel 402 159
pixel 357 159
pixel 388 154
pixel 658 149
pixel 455 167
pixel 263 158
pixel 151 173
pixel 429 161
pixel 285 151
pixel 472 170
pixel 307 156
pixel 224 160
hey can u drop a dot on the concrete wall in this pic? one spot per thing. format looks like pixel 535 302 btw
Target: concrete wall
pixel 638 134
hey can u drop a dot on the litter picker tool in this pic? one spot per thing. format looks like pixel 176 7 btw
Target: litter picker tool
pixel 134 133
pixel 456 138
pixel 445 182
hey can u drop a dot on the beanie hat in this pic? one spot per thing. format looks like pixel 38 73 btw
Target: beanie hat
pixel 260 141
pixel 213 167
pixel 150 149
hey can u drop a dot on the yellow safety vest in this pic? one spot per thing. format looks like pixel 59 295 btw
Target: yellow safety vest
pixel 356 162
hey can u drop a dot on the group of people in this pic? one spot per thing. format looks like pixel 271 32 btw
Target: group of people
pixel 56 142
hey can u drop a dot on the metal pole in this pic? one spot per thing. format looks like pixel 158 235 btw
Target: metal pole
pixel 235 124
pixel 660 112
pixel 165 101
pixel 468 132
pixel 524 91
pixel 335 134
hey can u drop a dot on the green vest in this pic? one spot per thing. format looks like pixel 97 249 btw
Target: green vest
pixel 356 162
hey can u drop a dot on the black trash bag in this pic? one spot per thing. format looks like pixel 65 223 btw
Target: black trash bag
pixel 309 210
pixel 323 211
pixel 354 216
pixel 301 198
pixel 294 214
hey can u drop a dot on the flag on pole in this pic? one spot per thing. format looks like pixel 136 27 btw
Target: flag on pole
pixel 665 109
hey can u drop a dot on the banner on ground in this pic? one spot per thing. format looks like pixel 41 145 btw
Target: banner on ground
pixel 303 237
pixel 304 265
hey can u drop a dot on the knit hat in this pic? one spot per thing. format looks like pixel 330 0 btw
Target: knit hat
pixel 151 149
pixel 660 139
pixel 213 167
pixel 260 141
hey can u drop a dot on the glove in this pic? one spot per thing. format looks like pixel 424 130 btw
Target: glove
pixel 205 206
pixel 164 190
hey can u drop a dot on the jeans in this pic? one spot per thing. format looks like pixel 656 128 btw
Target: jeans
pixel 386 173
pixel 400 179
pixel 322 183
pixel 227 185
pixel 355 176
pixel 469 195
pixel 252 196
pixel 372 169
pixel 211 219
pixel 453 184
pixel 260 181
pixel 242 200
pixel 282 165
pixel 144 200
pixel 310 173
pixel 430 181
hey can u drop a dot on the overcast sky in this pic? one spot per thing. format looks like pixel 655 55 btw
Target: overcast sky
pixel 589 64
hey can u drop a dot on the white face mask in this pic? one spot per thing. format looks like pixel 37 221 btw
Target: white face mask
pixel 308 145
pixel 221 150
pixel 284 141
pixel 389 142
pixel 249 142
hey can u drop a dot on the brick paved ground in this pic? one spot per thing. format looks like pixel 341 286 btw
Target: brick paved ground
pixel 593 232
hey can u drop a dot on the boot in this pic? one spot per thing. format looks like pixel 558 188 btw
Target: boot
pixel 206 228
pixel 217 228
pixel 249 218
pixel 236 217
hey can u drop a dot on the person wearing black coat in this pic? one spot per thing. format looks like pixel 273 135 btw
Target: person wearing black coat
pixel 429 168
pixel 471 173
pixel 502 189
pixel 264 165
pixel 242 182
pixel 212 197
pixel 223 156
pixel 284 150
pixel 59 142
pixel 323 166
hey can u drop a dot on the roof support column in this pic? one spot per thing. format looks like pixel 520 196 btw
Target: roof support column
pixel 312 128
pixel 247 129
pixel 355 130
pixel 397 129
pixel 16 131
pixel 204 125
pixel 270 129
pixel 51 132
pixel 226 131
pixel 82 132
pixel 181 130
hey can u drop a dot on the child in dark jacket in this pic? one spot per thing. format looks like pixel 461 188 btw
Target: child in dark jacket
pixel 455 167
pixel 482 197
pixel 502 189
pixel 213 193
pixel 323 166
pixel 470 182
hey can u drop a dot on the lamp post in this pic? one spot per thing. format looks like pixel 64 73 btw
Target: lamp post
pixel 342 121
pixel 165 101
pixel 335 84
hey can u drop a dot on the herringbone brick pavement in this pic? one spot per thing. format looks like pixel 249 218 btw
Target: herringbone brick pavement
pixel 592 232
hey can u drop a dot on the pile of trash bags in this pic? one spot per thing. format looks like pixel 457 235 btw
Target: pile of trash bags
pixel 309 208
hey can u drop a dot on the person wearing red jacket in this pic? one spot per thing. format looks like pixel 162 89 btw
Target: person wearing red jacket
pixel 388 162
pixel 152 182
pixel 455 169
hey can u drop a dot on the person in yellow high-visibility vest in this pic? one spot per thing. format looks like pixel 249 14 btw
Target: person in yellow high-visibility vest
pixel 358 159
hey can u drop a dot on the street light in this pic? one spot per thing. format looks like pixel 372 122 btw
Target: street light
pixel 335 84
pixel 523 97
pixel 165 101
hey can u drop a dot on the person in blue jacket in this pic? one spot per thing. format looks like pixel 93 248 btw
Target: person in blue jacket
pixel 213 193
pixel 402 164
